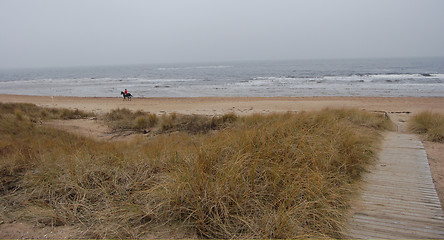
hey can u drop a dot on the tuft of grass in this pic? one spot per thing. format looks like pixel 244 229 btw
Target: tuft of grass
pixel 34 113
pixel 259 176
pixel 144 122
pixel 195 124
pixel 124 120
pixel 431 125
pixel 18 114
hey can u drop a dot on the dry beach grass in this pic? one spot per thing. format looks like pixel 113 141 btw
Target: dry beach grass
pixel 430 124
pixel 258 176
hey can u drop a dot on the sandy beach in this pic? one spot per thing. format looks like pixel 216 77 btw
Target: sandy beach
pixel 238 105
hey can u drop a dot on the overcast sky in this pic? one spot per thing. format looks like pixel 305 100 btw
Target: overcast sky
pixel 45 33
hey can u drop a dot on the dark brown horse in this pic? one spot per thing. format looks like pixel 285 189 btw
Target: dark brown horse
pixel 127 96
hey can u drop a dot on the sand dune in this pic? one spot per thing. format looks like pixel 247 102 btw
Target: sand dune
pixel 399 110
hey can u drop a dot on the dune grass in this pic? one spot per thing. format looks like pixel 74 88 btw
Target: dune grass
pixel 34 113
pixel 260 176
pixel 123 119
pixel 431 125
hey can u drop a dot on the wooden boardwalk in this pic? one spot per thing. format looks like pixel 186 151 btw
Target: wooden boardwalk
pixel 398 198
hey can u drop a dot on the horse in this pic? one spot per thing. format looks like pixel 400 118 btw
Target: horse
pixel 128 95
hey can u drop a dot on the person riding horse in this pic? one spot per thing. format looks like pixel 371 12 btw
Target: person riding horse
pixel 127 95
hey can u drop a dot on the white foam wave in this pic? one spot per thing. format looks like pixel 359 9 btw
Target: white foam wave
pixel 196 67
pixel 356 79
pixel 386 77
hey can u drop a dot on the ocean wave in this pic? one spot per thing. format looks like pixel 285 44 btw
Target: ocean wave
pixel 355 78
pixel 196 67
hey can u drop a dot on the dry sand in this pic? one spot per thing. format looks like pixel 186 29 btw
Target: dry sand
pixel 399 110
pixel 239 105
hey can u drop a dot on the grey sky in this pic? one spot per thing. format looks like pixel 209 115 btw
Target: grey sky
pixel 44 33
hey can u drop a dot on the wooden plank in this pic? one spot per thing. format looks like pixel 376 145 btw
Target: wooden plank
pixel 403 202
pixel 401 223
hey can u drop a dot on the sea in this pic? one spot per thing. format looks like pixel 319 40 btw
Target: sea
pixel 402 77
